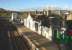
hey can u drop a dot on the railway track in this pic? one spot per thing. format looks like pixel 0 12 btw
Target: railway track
pixel 18 42
pixel 10 38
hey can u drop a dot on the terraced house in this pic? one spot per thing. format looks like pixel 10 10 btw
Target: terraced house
pixel 43 24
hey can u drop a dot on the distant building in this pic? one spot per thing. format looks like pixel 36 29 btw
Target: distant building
pixel 69 16
pixel 14 16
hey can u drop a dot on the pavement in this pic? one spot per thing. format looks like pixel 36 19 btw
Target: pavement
pixel 39 41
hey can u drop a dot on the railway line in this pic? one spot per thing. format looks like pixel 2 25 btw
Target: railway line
pixel 10 38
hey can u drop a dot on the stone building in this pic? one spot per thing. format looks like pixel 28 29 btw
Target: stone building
pixel 42 24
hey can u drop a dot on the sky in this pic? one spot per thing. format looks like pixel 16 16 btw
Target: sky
pixel 25 4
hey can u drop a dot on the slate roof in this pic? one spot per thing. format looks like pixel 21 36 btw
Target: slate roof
pixel 46 21
pixel 41 18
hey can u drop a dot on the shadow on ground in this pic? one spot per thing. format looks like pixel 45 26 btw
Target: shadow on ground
pixel 9 37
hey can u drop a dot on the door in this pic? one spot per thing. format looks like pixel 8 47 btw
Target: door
pixel 36 26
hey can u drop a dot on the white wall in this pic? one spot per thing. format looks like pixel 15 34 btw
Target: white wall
pixel 33 25
pixel 46 32
pixel 25 22
pixel 39 30
pixel 49 34
pixel 29 23
pixel 12 17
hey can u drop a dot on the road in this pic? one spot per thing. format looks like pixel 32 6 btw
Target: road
pixel 10 38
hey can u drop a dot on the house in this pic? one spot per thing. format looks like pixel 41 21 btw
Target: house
pixel 13 16
pixel 69 16
pixel 35 24
pixel 29 23
pixel 42 24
